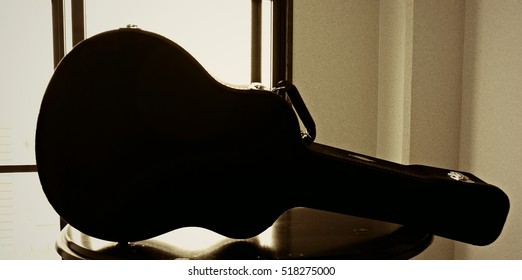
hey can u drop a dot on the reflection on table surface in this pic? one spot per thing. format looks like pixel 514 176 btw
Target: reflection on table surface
pixel 300 233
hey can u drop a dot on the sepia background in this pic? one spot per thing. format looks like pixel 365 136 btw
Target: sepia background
pixel 434 82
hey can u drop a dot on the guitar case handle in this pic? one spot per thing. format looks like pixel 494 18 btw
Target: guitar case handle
pixel 287 89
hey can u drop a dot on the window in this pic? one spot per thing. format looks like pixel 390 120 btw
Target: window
pixel 237 41
pixel 216 33
pixel 27 221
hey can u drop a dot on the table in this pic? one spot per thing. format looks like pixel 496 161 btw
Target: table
pixel 299 233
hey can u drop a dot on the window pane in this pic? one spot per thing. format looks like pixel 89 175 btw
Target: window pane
pixel 28 224
pixel 216 33
pixel 27 65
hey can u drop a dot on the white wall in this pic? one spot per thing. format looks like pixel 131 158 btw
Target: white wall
pixel 443 77
pixel 420 77
pixel 491 132
pixel 336 45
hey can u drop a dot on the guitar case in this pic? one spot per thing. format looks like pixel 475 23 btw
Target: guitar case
pixel 135 138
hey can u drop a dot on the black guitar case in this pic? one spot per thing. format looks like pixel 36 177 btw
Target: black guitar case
pixel 134 139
